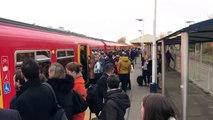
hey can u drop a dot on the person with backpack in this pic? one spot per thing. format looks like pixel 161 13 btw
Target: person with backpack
pixel 96 93
pixel 36 102
pixel 73 69
pixel 116 101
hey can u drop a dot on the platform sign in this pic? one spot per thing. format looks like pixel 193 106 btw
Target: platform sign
pixel 5 69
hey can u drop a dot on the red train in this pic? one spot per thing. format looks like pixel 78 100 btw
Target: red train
pixel 19 41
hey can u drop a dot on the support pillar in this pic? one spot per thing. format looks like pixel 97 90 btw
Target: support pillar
pixel 184 72
pixel 163 66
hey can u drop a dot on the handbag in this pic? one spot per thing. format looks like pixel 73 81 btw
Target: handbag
pixel 60 113
pixel 79 104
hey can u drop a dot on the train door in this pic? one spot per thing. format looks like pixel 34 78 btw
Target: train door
pixel 83 60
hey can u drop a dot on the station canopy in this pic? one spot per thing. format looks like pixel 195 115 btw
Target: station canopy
pixel 144 39
pixel 198 32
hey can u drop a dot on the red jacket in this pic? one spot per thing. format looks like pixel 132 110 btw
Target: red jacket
pixel 79 86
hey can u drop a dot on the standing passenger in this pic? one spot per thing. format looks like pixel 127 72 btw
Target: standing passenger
pixel 145 69
pixel 62 85
pixel 102 85
pixel 97 69
pixel 124 68
pixel 18 82
pixel 73 69
pixel 36 102
pixel 168 59
pixel 91 64
pixel 116 101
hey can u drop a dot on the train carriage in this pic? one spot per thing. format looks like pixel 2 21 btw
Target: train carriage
pixel 19 41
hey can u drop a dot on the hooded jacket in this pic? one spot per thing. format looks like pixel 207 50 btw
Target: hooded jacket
pixel 124 65
pixel 62 89
pixel 115 106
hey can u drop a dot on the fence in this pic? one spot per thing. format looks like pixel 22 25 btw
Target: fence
pixel 200 71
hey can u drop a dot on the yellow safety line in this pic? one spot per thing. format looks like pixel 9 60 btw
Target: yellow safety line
pixel 1 92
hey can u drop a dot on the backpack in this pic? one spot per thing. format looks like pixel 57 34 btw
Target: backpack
pixel 60 113
pixel 79 104
pixel 94 103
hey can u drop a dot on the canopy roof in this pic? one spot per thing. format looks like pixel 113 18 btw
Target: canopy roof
pixel 198 32
pixel 144 39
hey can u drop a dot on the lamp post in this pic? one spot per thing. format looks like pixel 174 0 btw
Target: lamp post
pixel 153 86
pixel 141 32
pixel 142 35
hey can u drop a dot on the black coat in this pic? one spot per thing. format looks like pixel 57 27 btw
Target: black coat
pixel 62 88
pixel 14 99
pixel 9 115
pixel 115 106
pixel 36 102
pixel 102 90
pixel 102 85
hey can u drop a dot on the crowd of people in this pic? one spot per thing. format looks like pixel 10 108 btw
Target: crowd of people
pixel 109 73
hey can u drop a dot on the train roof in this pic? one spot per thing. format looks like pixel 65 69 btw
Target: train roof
pixel 37 27
pixel 33 26
pixel 34 31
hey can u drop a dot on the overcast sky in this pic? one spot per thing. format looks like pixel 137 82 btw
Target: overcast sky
pixel 107 19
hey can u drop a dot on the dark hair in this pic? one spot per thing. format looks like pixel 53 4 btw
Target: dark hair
pixel 159 56
pixel 30 69
pixel 109 55
pixel 73 66
pixel 157 107
pixel 113 81
pixel 108 67
pixel 19 77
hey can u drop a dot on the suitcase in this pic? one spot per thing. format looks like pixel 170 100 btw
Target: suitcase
pixel 140 80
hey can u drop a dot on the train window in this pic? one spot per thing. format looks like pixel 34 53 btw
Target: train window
pixel 44 61
pixel 70 53
pixel 42 57
pixel 20 57
pixel 65 56
pixel 61 53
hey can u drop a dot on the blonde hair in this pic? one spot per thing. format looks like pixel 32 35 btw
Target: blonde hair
pixel 57 71
pixel 146 57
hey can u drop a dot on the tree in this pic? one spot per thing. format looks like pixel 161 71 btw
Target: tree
pixel 122 40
